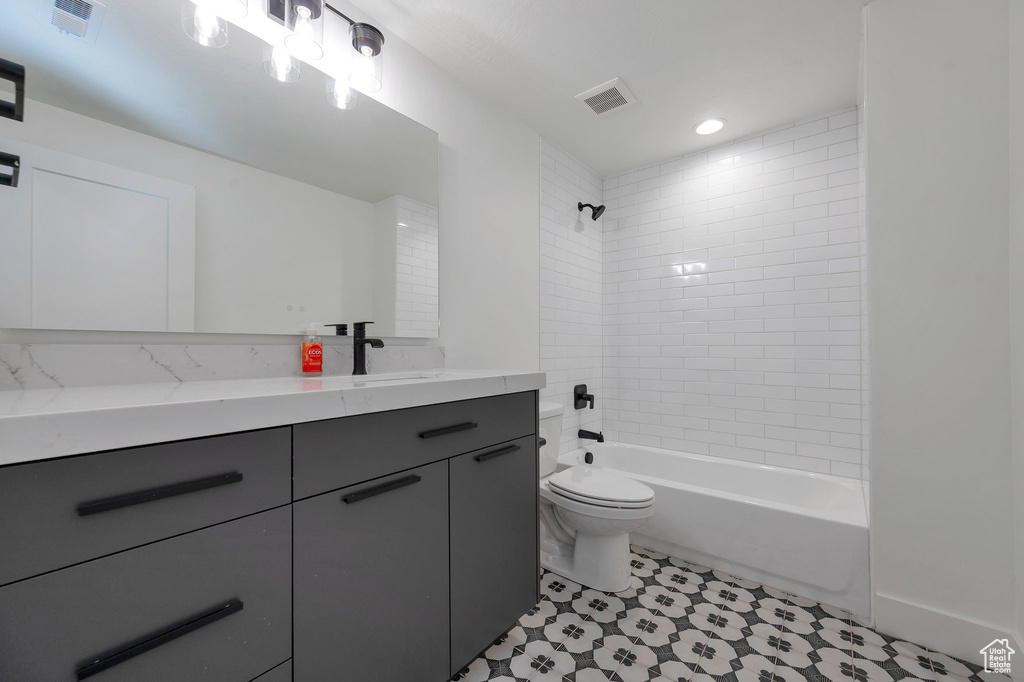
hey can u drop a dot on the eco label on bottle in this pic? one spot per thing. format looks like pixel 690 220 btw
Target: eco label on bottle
pixel 312 357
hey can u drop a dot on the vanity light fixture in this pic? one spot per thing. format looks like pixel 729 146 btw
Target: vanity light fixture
pixel 15 73
pixel 367 69
pixel 204 20
pixel 712 125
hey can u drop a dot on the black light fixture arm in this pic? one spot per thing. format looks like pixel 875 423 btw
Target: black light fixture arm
pixel 339 13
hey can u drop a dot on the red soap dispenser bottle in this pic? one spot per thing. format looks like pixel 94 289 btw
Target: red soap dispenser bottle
pixel 312 353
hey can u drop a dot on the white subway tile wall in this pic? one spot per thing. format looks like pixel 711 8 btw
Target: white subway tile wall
pixel 416 271
pixel 570 290
pixel 733 294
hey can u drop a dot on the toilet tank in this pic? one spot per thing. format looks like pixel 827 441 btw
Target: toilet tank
pixel 551 431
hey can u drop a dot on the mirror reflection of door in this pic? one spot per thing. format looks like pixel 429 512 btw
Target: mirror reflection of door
pixel 93 246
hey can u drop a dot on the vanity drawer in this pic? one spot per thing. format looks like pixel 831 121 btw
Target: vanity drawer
pixel 339 452
pixel 224 591
pixel 61 512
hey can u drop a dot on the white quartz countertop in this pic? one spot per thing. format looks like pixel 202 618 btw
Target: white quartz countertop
pixel 44 423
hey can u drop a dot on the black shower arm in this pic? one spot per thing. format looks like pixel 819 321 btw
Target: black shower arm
pixel 15 73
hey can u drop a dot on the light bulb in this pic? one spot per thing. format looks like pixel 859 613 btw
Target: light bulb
pixel 279 64
pixel 203 23
pixel 207 23
pixel 364 73
pixel 302 41
pixel 340 95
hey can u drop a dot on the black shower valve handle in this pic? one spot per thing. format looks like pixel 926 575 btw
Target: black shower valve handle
pixel 580 397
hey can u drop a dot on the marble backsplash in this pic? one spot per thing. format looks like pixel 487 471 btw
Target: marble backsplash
pixel 29 366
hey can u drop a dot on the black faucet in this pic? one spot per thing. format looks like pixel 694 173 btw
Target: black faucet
pixel 359 342
pixel 590 435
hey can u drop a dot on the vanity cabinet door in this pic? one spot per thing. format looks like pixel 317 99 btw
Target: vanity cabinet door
pixel 494 543
pixel 371 580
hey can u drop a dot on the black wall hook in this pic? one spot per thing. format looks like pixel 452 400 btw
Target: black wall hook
pixel 9 71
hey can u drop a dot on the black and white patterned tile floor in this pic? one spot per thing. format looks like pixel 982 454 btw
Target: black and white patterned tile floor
pixel 679 622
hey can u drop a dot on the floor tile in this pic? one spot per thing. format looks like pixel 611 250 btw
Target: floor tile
pixel 538 615
pixel 656 631
pixel 679 579
pixel 559 589
pixel 505 648
pixel 599 606
pixel 679 622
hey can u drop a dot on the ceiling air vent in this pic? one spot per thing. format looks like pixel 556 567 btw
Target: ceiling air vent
pixel 76 18
pixel 608 96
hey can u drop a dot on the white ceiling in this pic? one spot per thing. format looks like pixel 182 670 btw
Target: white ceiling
pixel 756 63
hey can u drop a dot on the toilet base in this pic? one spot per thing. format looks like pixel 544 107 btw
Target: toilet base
pixel 600 562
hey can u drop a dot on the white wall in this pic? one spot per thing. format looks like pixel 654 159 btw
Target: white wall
pixel 489 234
pixel 733 289
pixel 489 192
pixel 1016 42
pixel 941 490
pixel 571 313
pixel 242 227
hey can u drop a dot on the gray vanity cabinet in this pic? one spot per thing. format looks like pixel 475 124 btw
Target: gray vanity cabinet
pixel 386 547
pixel 371 580
pixel 493 543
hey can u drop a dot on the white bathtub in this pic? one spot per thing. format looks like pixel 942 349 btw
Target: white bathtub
pixel 801 532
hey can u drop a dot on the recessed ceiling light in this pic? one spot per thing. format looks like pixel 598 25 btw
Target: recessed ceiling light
pixel 712 125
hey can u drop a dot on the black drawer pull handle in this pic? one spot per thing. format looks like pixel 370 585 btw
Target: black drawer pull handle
pixel 497 453
pixel 111 658
pixel 106 504
pixel 449 429
pixel 378 489
pixel 541 442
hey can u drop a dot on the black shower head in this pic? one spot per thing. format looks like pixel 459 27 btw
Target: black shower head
pixel 595 211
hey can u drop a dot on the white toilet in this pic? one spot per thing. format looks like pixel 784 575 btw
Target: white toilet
pixel 586 515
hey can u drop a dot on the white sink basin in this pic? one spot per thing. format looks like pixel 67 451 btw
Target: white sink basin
pixel 393 378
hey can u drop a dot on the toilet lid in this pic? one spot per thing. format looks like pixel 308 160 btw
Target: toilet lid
pixel 587 483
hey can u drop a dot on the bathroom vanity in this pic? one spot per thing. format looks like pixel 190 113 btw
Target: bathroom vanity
pixel 275 529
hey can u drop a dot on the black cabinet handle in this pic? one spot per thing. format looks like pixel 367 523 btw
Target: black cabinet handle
pixel 542 442
pixel 129 499
pixel 497 453
pixel 448 429
pixel 378 489
pixel 130 650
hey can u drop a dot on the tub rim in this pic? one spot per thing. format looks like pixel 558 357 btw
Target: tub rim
pixel 856 516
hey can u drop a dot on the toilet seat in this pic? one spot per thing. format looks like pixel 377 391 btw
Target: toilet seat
pixel 591 485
